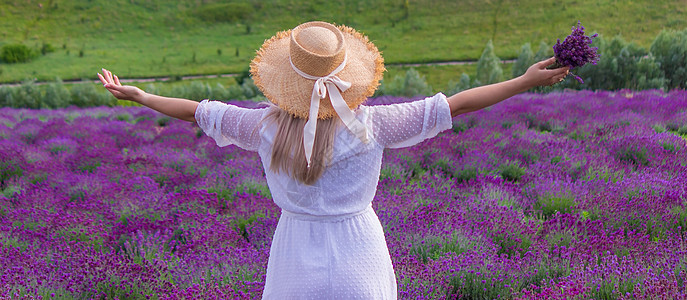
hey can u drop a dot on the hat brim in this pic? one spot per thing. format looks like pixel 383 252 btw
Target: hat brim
pixel 273 75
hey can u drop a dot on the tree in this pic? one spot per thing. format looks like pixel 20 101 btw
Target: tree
pixel 488 67
pixel 524 61
pixel 670 50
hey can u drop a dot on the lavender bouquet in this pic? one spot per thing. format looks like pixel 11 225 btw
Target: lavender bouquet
pixel 575 51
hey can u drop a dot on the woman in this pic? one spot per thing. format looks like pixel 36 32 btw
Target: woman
pixel 329 242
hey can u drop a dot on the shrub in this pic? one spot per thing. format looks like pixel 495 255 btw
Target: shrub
pixel 622 65
pixel 240 224
pixel 47 48
pixel 235 92
pixel 16 53
pixel 12 165
pixel 6 96
pixel 153 89
pixel 670 50
pixel 410 85
pixel 123 117
pixel 544 52
pixel 550 204
pixel 670 147
pixel 465 174
pixel 56 95
pixel 9 170
pixel 197 90
pixel 635 155
pixel 682 130
pixel 524 61
pixel 28 95
pixel 220 92
pixel 85 95
pixel 243 76
pixel 435 247
pixel 512 172
pixel 457 87
pixel 488 67
pixel 242 91
pixel 658 128
pixel 162 121
pixel 673 125
pixel 253 188
pixel 250 90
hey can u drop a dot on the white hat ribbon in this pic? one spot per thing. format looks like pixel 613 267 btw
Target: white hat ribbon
pixel 332 84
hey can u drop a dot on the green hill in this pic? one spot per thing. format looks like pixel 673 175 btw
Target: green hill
pixel 142 38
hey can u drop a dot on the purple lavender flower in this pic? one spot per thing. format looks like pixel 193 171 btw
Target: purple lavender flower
pixel 95 207
pixel 575 51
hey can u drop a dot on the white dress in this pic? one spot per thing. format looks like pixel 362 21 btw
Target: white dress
pixel 329 243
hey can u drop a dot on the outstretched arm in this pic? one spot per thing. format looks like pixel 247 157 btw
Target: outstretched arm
pixel 484 96
pixel 183 109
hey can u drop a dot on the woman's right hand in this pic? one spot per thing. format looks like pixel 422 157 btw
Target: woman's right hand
pixel 124 92
pixel 538 75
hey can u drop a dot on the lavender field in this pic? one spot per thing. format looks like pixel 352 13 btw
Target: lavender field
pixel 572 195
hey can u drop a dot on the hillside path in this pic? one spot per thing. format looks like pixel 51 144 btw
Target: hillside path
pixel 191 77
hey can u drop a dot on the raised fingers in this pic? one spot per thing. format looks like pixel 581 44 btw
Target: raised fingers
pixel 108 76
pixel 116 80
pixel 104 76
pixel 102 79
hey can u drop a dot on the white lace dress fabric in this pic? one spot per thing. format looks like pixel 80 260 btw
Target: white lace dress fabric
pixel 329 243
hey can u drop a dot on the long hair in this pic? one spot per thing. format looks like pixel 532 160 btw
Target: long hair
pixel 288 152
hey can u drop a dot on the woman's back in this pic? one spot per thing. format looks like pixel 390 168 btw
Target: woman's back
pixel 329 242
pixel 349 183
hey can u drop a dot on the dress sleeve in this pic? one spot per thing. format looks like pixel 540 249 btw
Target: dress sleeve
pixel 229 124
pixel 406 124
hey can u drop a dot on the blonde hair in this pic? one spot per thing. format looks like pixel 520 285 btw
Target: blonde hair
pixel 288 152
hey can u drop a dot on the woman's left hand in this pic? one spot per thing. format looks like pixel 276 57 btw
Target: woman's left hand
pixel 124 92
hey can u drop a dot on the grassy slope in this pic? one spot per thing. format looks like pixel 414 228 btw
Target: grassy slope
pixel 140 38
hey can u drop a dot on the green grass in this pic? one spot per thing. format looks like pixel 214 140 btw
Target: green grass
pixel 549 204
pixel 139 38
pixel 437 76
pixel 436 247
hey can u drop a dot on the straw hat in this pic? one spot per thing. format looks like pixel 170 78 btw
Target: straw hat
pixel 316 71
pixel 316 49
